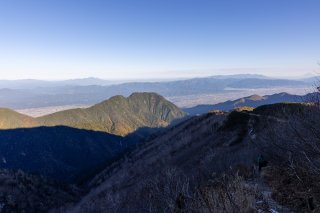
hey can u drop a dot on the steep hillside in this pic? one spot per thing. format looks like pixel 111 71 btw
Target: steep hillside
pixel 59 152
pixel 194 150
pixel 118 115
pixel 251 101
pixel 188 160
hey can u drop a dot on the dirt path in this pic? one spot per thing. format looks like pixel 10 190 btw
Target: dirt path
pixel 273 206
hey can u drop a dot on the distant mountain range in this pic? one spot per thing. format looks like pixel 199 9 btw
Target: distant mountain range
pixel 32 83
pixel 32 94
pixel 118 115
pixel 251 101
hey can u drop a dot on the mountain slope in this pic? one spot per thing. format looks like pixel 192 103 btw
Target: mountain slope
pixel 193 149
pixel 188 156
pixel 66 148
pixel 58 152
pixel 21 192
pixel 251 101
pixel 186 167
pixel 118 115
pixel 10 119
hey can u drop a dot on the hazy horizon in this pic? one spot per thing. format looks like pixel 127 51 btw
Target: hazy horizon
pixel 169 78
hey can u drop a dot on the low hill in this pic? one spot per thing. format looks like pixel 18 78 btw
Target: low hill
pixel 10 119
pixel 117 115
pixel 250 101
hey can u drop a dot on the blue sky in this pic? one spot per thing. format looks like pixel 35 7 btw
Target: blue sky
pixel 112 39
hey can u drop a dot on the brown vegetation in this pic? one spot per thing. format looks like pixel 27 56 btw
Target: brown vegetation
pixel 293 147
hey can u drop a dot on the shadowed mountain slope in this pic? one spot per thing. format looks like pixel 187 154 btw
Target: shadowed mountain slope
pixel 58 152
pixel 21 192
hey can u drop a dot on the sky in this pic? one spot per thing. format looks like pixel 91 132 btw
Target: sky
pixel 140 39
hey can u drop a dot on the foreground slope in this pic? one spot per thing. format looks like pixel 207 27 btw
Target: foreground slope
pixel 21 192
pixel 185 160
pixel 194 149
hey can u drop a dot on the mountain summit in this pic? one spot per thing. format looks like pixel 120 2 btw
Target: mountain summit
pixel 118 115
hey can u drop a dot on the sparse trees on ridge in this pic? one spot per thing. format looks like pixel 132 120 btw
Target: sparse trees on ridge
pixel 293 147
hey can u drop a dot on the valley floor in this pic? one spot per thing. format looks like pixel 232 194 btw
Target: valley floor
pixel 41 111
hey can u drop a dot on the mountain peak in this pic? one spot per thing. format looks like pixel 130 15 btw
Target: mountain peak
pixel 115 98
pixel 118 115
pixel 144 94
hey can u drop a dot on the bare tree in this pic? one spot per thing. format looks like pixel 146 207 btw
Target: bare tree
pixel 292 144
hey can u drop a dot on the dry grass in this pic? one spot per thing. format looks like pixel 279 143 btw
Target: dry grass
pixel 300 195
pixel 172 191
pixel 293 148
